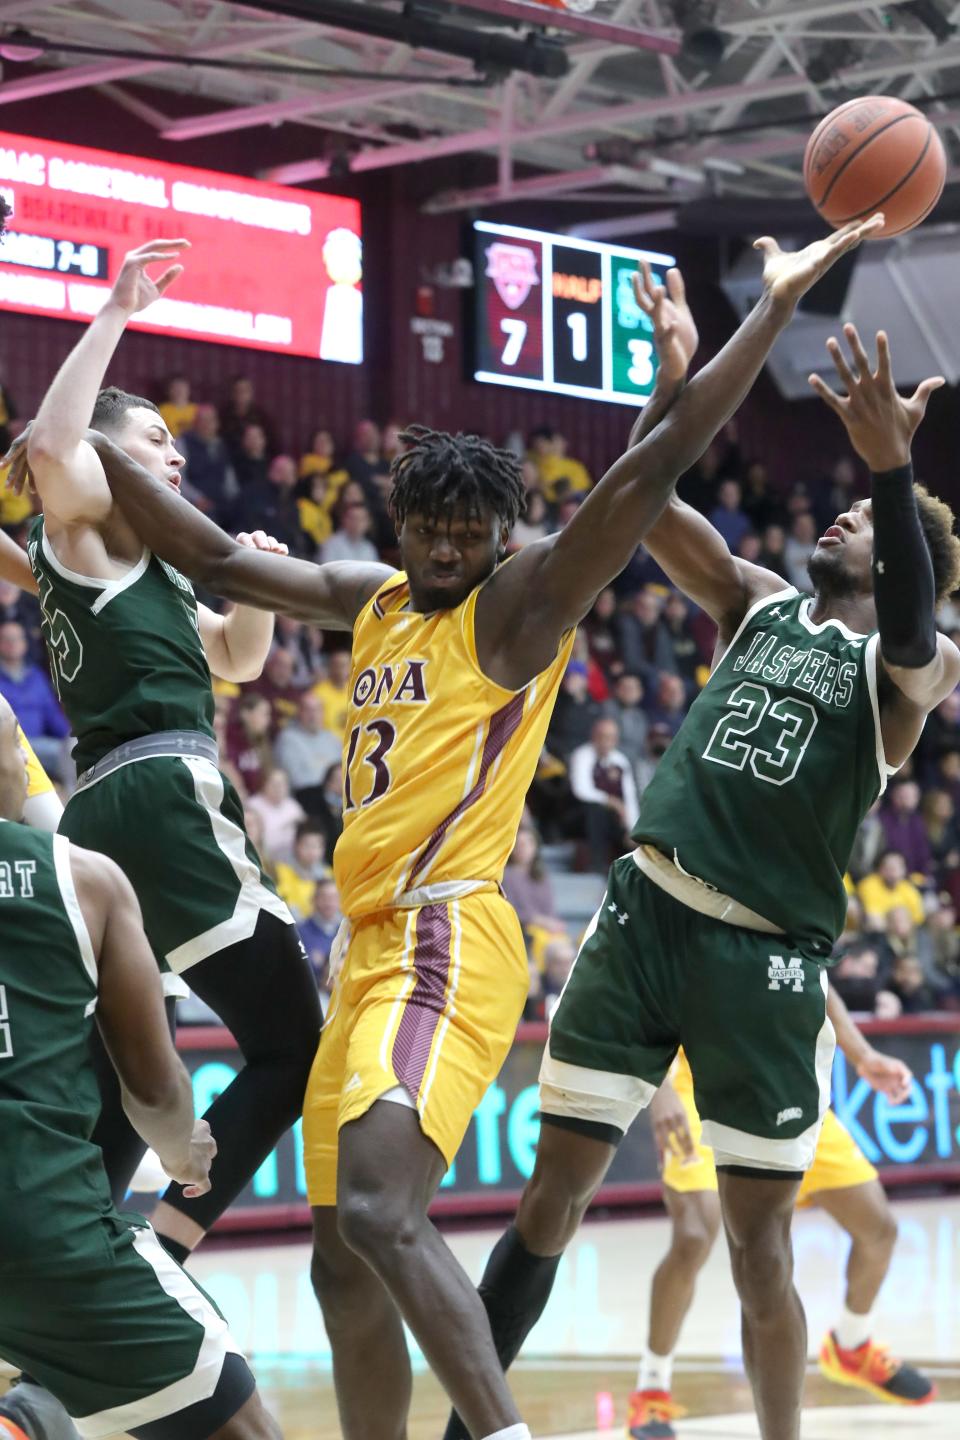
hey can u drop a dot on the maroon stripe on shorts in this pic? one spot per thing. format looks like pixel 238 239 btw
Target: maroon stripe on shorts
pixel 503 724
pixel 423 1009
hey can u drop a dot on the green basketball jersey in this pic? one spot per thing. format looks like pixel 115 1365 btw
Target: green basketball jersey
pixel 125 655
pixel 54 1193
pixel 761 792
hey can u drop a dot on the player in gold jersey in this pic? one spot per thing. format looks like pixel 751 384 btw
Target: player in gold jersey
pixel 457 660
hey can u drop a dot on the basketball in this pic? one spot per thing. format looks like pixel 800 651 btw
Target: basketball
pixel 875 153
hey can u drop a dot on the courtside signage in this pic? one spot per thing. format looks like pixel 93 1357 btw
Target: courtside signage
pixel 270 267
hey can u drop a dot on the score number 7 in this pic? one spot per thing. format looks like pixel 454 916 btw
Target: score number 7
pixel 516 333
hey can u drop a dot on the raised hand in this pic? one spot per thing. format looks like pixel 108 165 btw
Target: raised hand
pixel 887 1075
pixel 788 275
pixel 133 288
pixel 674 330
pixel 16 457
pixel 880 422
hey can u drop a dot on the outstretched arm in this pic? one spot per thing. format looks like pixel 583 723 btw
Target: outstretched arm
pixel 330 595
pixel 14 565
pixel 556 581
pixel 882 1072
pixel 67 473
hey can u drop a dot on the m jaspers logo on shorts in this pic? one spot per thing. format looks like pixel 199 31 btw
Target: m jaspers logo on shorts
pixel 785 974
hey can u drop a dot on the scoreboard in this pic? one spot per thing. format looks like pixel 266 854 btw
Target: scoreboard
pixel 558 314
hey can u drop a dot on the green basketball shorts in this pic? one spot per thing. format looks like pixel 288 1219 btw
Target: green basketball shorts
pixel 653 974
pixel 174 825
pixel 124 1340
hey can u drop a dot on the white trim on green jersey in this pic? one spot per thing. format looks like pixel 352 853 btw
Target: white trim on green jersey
pixel 68 894
pixel 109 589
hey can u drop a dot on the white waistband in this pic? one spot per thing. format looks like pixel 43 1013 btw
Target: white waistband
pixel 697 894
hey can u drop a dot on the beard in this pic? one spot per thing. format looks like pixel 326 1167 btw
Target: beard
pixel 830 576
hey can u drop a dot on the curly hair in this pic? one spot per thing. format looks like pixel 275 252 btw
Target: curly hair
pixel 439 473
pixel 937 521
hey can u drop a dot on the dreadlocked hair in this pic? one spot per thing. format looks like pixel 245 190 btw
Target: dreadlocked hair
pixel 5 213
pixel 936 522
pixel 439 473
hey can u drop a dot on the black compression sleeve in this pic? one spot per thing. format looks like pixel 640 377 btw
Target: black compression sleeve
pixel 902 572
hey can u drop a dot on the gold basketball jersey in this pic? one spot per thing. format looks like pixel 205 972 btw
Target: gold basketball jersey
pixel 437 757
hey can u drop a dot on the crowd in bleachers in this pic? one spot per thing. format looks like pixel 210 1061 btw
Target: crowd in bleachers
pixel 640 658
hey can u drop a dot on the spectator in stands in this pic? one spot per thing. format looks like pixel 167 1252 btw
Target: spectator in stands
pixel 27 689
pixel 280 813
pixel 328 811
pixel 8 413
pixel 178 410
pixel 948 775
pixel 306 751
pixel 800 545
pixel 221 732
pixel 558 957
pixel 366 460
pixel 321 459
pixel 698 487
pixel 315 511
pixel 20 608
pixel 250 460
pixel 761 507
pixel 304 643
pixel 836 493
pixel 560 475
pixel 900 932
pixel 527 884
pixel 352 541
pixel 727 515
pixel 945 945
pixel 773 551
pixel 750 547
pixel 643 640
pixel 240 411
pixel 209 470
pixel 392 447
pixel 686 656
pixel 574 713
pixel 277 685
pixel 600 630
pixel 253 824
pixel 532 525
pixel 670 707
pixel 249 749
pixel 911 986
pixel 271 505
pixel 333 692
pixel 857 978
pixel 318 930
pixel 904 829
pixel 940 734
pixel 601 779
pixel 943 833
pixel 297 877
pixel 626 708
pixel 887 887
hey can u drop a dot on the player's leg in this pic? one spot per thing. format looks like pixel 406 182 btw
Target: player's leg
pixel 760 1047
pixel 610 1046
pixel 264 991
pixel 361 1319
pixel 757 1212
pixel 389 1172
pixel 849 1353
pixel 129 1344
pixel 694 1226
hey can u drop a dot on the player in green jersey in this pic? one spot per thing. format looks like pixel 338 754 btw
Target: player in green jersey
pixel 715 931
pixel 131 654
pixel 90 1302
pixel 377 1259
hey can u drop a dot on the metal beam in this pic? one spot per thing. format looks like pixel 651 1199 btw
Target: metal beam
pixel 558 182
pixel 643 223
pixel 623 36
pixel 221 122
pixel 582 71
pixel 20 9
pixel 77 77
pixel 587 121
pixel 759 21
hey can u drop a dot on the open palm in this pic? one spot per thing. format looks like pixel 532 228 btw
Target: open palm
pixel 133 288
pixel 788 275
pixel 674 330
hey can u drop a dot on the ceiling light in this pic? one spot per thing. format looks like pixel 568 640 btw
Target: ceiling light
pixel 20 46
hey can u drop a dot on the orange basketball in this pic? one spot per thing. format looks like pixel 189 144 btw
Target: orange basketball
pixel 875 153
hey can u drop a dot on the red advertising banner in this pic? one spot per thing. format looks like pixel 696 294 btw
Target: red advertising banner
pixel 269 267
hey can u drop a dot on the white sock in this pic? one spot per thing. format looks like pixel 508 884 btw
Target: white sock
pixel 656 1372
pixel 852 1330
pixel 512 1432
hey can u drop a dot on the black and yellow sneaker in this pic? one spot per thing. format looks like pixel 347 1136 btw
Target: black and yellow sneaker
pixel 871 1367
